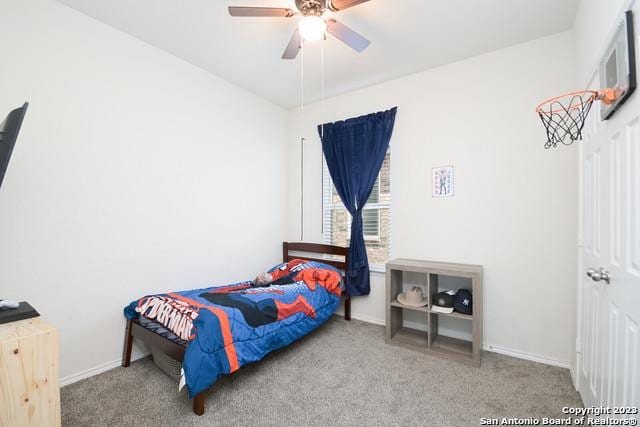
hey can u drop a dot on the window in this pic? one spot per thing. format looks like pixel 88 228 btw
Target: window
pixel 376 217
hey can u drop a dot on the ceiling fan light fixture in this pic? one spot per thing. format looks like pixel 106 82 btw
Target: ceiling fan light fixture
pixel 312 28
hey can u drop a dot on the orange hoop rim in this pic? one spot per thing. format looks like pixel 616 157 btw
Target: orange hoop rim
pixel 594 95
pixel 608 96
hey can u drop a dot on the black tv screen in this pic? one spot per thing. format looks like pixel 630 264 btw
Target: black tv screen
pixel 9 129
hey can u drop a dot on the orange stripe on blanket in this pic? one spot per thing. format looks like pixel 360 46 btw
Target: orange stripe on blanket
pixel 229 347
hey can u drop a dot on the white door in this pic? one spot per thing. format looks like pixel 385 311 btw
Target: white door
pixel 608 362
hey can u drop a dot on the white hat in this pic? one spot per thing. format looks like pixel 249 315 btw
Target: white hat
pixel 413 297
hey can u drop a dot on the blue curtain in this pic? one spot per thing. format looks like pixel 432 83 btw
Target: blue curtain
pixel 354 150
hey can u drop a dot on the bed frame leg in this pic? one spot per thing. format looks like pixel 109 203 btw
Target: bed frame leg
pixel 347 308
pixel 128 344
pixel 198 404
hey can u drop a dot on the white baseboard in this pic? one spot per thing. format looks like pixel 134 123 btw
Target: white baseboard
pixel 526 356
pixel 73 378
pixel 487 347
pixel 574 379
pixel 367 319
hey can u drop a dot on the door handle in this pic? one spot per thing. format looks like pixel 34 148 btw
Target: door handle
pixel 599 275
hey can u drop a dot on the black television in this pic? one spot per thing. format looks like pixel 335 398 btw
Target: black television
pixel 9 129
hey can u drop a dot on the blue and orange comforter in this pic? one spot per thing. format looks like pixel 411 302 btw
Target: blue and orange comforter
pixel 230 326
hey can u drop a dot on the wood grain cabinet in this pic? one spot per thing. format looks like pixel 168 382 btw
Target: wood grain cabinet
pixel 29 386
pixel 431 341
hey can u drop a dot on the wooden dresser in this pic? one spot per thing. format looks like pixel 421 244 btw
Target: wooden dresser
pixel 29 387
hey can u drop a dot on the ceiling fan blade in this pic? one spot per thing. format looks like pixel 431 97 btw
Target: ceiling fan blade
pixel 294 46
pixel 347 35
pixel 337 5
pixel 269 12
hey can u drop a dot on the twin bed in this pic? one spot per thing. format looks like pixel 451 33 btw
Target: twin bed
pixel 214 331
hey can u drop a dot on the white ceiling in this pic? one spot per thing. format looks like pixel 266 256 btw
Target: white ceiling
pixel 406 36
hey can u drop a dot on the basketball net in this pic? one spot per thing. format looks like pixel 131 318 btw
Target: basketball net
pixel 564 116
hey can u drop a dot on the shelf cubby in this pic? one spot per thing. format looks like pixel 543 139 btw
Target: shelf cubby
pixel 396 304
pixel 431 341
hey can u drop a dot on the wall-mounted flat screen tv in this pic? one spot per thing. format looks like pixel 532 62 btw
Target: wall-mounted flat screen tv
pixel 9 129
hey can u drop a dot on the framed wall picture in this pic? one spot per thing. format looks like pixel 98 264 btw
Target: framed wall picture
pixel 442 181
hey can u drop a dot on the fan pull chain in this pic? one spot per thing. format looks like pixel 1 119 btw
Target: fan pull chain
pixel 322 87
pixel 302 140
pixel 301 85
pixel 324 38
pixel 302 189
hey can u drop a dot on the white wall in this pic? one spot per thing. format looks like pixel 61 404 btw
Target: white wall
pixel 135 173
pixel 514 210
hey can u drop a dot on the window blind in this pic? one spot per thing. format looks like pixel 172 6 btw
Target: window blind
pixel 376 217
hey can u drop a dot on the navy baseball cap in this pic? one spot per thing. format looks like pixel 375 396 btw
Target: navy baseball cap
pixel 463 301
pixel 444 299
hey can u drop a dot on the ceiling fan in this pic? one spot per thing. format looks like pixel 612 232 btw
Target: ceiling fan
pixel 312 26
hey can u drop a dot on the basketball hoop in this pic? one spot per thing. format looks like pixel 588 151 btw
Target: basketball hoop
pixel 564 116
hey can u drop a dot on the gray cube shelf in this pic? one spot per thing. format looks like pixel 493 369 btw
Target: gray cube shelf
pixel 430 341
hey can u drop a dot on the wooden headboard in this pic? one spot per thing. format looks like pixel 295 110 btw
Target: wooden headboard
pixel 319 250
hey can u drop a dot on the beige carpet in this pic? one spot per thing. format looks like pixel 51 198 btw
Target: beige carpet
pixel 341 375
